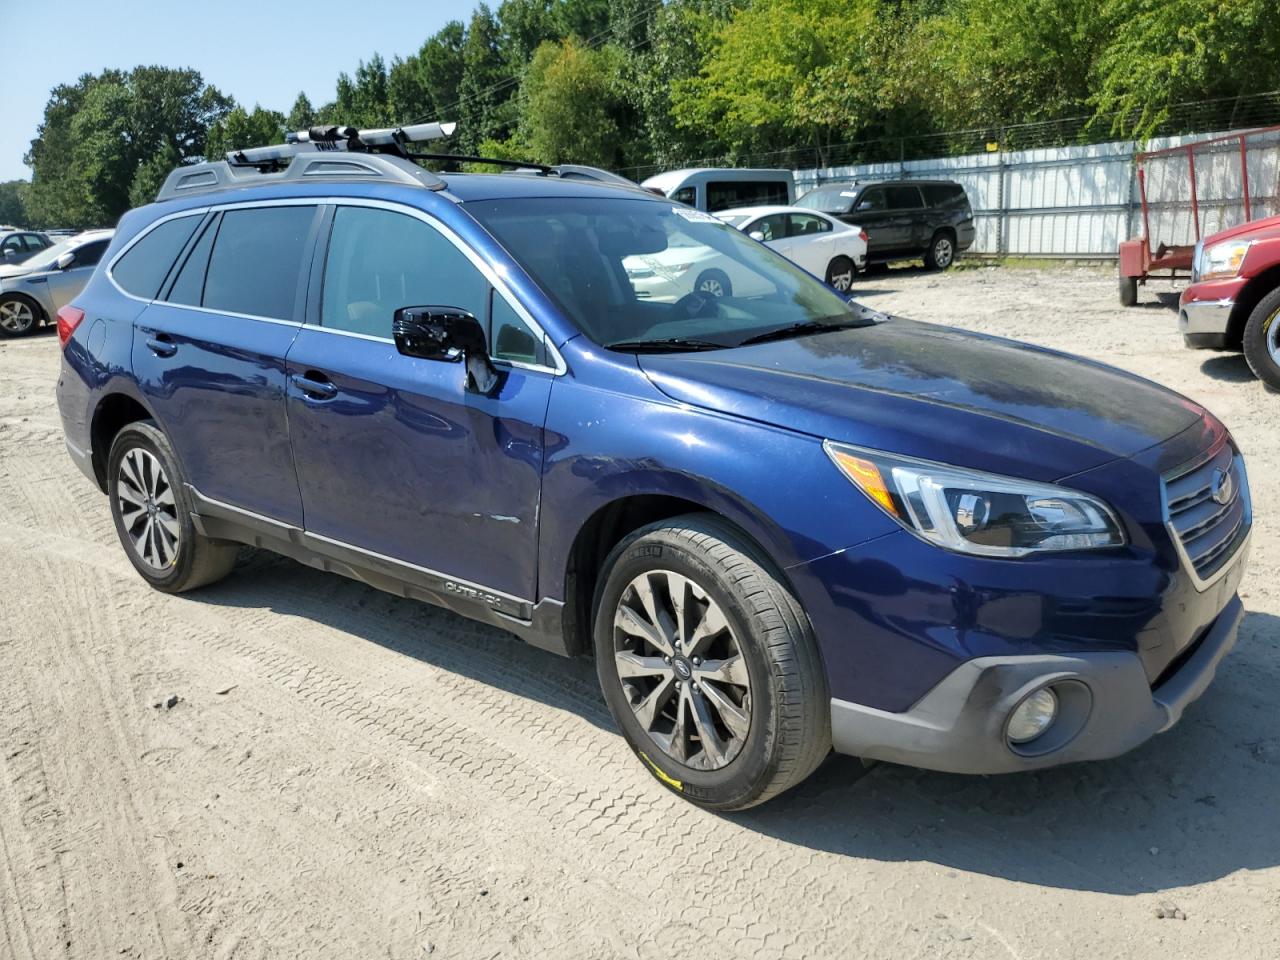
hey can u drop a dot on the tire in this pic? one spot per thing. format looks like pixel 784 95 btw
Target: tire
pixel 173 558
pixel 841 273
pixel 942 251
pixel 714 283
pixel 19 315
pixel 768 669
pixel 1262 340
pixel 1128 291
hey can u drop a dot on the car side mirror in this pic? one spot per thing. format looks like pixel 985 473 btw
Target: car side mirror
pixel 449 334
pixel 10 255
pixel 66 260
pixel 756 235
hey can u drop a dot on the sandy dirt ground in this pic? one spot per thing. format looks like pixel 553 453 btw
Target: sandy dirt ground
pixel 350 775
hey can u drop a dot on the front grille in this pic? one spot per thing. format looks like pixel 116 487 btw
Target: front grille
pixel 1207 525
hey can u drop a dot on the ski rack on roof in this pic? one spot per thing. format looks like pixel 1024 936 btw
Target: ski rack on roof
pixel 320 153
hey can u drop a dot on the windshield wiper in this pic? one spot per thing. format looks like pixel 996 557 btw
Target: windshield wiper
pixel 666 344
pixel 802 329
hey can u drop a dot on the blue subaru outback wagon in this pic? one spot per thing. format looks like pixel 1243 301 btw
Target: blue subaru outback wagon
pixel 780 522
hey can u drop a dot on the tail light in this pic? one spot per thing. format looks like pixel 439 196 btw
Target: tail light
pixel 69 318
pixel 863 235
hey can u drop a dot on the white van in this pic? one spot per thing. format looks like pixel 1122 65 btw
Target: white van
pixel 713 189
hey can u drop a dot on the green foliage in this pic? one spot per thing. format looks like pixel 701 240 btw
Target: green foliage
pixel 302 116
pixel 571 97
pixel 13 204
pixel 1162 53
pixel 240 129
pixel 634 83
pixel 98 133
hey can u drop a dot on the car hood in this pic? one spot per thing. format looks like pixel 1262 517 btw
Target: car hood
pixel 1256 229
pixel 936 393
pixel 14 270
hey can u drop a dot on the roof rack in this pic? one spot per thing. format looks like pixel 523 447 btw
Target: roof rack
pixel 320 153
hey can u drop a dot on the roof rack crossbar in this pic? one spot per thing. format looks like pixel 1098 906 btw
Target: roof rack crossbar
pixel 320 153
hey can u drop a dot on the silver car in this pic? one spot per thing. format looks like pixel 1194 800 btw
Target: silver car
pixel 19 245
pixel 33 292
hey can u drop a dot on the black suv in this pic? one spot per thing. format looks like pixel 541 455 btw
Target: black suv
pixel 904 219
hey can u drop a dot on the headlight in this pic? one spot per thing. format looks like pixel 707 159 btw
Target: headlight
pixel 1223 259
pixel 978 513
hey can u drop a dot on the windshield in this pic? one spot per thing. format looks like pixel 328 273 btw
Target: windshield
pixel 49 255
pixel 630 272
pixel 834 199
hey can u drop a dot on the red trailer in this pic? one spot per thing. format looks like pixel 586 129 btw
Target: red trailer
pixel 1196 190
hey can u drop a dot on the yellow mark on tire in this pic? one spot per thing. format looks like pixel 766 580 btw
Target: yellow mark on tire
pixel 662 775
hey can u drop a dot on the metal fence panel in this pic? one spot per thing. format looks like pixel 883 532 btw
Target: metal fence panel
pixel 1081 201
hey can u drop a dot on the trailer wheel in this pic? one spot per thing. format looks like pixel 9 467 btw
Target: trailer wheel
pixel 1128 291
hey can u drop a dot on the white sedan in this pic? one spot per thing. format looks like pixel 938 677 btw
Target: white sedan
pixel 831 250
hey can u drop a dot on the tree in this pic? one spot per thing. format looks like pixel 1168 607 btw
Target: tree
pixel 364 100
pixel 13 204
pixel 152 175
pixel 571 96
pixel 486 85
pixel 440 65
pixel 748 91
pixel 240 129
pixel 1161 54
pixel 302 116
pixel 98 133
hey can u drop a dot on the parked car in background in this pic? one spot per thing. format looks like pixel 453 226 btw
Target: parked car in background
pixel 17 246
pixel 1233 301
pixel 782 523
pixel 830 249
pixel 33 292
pixel 713 189
pixel 904 219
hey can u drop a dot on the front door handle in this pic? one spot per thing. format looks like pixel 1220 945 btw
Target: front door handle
pixel 161 345
pixel 313 387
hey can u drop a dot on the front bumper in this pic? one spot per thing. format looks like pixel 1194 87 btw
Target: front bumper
pixel 1204 312
pixel 1107 708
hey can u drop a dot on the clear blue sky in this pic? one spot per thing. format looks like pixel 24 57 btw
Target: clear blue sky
pixel 256 52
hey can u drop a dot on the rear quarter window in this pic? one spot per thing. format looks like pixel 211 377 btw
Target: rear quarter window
pixel 943 194
pixel 144 265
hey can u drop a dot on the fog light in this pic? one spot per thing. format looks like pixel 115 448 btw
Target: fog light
pixel 1032 716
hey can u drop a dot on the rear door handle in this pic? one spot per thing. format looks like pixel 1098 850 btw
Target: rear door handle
pixel 313 387
pixel 161 345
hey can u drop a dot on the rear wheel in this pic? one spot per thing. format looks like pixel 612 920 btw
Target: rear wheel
pixel 152 513
pixel 714 283
pixel 18 316
pixel 709 666
pixel 1128 291
pixel 942 251
pixel 840 273
pixel 1262 340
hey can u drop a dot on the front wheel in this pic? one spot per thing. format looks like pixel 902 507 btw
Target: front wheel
pixel 1262 340
pixel 714 283
pixel 709 666
pixel 840 273
pixel 18 316
pixel 941 253
pixel 152 513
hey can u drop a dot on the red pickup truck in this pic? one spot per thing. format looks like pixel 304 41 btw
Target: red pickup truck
pixel 1233 301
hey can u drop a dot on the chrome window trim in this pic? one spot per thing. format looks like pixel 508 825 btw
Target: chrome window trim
pixel 558 368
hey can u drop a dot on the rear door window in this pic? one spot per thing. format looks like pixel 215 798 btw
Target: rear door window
pixel 724 194
pixel 35 243
pixel 904 198
pixel 806 224
pixel 144 265
pixel 256 261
